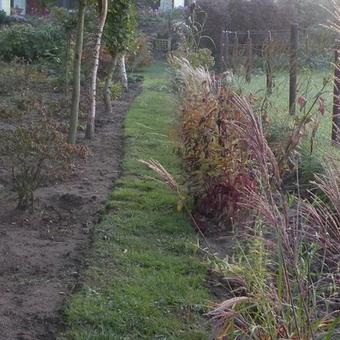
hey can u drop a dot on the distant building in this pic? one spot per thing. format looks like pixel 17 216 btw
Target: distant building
pixel 33 7
pixel 68 4
pixel 18 7
pixel 5 5
pixel 166 6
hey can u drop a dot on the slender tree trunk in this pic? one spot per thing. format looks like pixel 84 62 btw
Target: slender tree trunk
pixel 92 114
pixel 123 73
pixel 76 73
pixel 67 62
pixel 108 84
pixel 336 99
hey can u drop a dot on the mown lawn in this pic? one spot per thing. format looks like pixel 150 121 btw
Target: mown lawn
pixel 310 83
pixel 145 280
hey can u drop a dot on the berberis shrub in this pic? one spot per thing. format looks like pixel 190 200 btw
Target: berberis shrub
pixel 35 154
pixel 217 162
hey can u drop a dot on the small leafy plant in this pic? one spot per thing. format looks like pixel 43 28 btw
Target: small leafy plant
pixel 36 154
pixel 3 18
pixel 43 41
pixel 202 57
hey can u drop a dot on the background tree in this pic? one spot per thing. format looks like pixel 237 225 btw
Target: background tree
pixel 118 38
pixel 258 15
pixel 68 21
pixel 146 4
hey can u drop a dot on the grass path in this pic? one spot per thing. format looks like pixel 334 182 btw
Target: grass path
pixel 144 279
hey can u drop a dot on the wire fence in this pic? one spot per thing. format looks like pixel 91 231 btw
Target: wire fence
pixel 315 48
pixel 283 50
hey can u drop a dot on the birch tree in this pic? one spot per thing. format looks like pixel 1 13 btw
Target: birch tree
pixel 118 37
pixel 103 8
pixel 77 73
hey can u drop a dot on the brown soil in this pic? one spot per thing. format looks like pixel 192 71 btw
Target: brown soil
pixel 41 254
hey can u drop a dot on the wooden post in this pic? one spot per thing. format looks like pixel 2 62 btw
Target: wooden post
pixel 269 71
pixel 307 47
pixel 169 47
pixel 226 50
pixel 336 98
pixel 293 67
pixel 249 63
pixel 222 47
pixel 235 53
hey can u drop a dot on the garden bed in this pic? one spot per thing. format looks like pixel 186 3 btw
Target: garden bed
pixel 42 253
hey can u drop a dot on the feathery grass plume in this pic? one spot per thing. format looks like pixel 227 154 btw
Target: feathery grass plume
pixel 193 80
pixel 162 173
pixel 168 180
pixel 255 139
pixel 293 297
pixel 323 216
pixel 333 24
pixel 287 278
pixel 334 12
pixel 216 163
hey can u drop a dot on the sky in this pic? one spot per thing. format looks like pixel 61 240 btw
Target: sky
pixel 179 3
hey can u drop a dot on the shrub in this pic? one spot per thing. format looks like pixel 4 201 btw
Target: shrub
pixel 116 91
pixel 287 271
pixel 3 18
pixel 203 57
pixel 212 142
pixel 35 154
pixel 17 77
pixel 31 42
pixel 20 88
pixel 142 53
pixel 217 164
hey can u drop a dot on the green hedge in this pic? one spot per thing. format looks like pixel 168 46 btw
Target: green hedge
pixel 30 42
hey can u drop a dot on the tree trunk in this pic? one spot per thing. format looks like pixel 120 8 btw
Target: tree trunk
pixel 108 85
pixel 336 99
pixel 92 114
pixel 67 55
pixel 76 73
pixel 123 73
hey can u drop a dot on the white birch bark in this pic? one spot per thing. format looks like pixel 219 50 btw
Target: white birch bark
pixel 122 71
pixel 92 114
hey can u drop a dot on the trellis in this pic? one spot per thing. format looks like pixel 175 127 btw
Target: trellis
pixel 162 45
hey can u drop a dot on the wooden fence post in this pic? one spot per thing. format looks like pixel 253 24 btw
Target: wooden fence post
pixel 222 47
pixel 169 44
pixel 336 98
pixel 235 52
pixel 293 67
pixel 226 50
pixel 307 47
pixel 249 63
pixel 269 71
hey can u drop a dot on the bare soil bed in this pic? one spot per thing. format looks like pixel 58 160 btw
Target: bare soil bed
pixel 42 254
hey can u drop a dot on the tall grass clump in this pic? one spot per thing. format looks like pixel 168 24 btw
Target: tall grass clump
pixel 216 158
pixel 283 281
pixel 287 266
pixel 288 270
pixel 216 161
